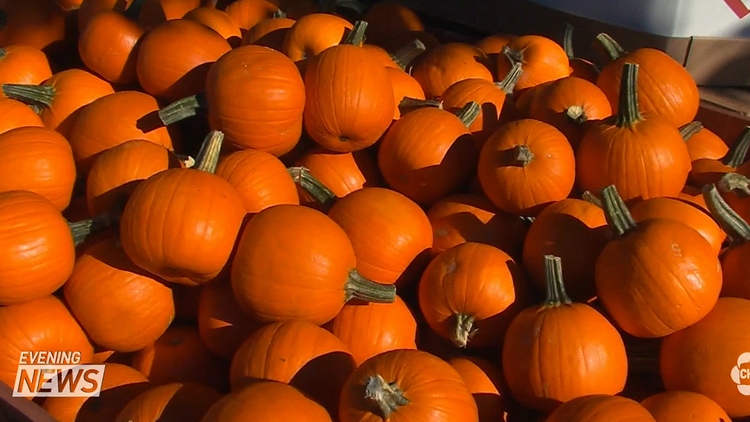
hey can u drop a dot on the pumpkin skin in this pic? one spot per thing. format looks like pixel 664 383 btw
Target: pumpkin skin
pixel 273 353
pixel 387 230
pixel 109 47
pixel 23 64
pixel 312 34
pixel 601 408
pixel 41 324
pixel 217 20
pixel 38 23
pixel 543 60
pixel 174 58
pixel 112 120
pixel 91 8
pixel 256 97
pixel 248 13
pixel 464 294
pixel 464 218
pixel 202 220
pixel 38 160
pixel 485 383
pixel 389 19
pixel 117 171
pixel 260 178
pixel 17 114
pixel 106 290
pixel 186 402
pixel 446 64
pixel 404 86
pixel 700 357
pixel 427 154
pixel 703 143
pixel 155 12
pixel 269 33
pixel 490 97
pixel 38 248
pixel 575 230
pixel 349 99
pixel 434 389
pixel 678 406
pixel 523 185
pixel 266 400
pixel 368 329
pixel 493 44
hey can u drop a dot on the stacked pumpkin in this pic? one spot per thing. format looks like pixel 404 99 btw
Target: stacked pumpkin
pixel 370 224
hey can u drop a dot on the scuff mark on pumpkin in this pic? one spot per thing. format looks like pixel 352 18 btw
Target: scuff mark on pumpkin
pixel 451 268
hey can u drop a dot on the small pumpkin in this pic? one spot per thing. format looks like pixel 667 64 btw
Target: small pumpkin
pixel 17 114
pixel 187 402
pixel 269 32
pixel 312 34
pixel 492 45
pixel 248 13
pixel 702 142
pixel 91 8
pixel 601 408
pixel 217 20
pixel 109 47
pixel 542 60
pixel 405 88
pixel 153 13
pixel 446 64
pixel 23 64
pixel 707 170
pixel 389 19
pixel 678 406
pixel 485 382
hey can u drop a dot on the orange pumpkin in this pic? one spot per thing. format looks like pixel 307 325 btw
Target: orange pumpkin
pixel 312 34
pixel 446 64
pixel 153 13
pixel 217 20
pixel 389 19
pixel 185 402
pixel 485 382
pixel 23 64
pixel 269 32
pixel 91 8
pixel 492 45
pixel 702 142
pixel 40 24
pixel 404 86
pixel 679 406
pixel 17 114
pixel 542 60
pixel 707 170
pixel 248 13
pixel 108 45
pixel 579 67
pixel 601 408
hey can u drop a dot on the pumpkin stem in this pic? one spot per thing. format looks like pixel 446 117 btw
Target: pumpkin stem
pixel 407 53
pixel 358 287
pixel 512 55
pixel 609 47
pixel 617 213
pixel 410 104
pixel 182 109
pixel 576 114
pixel 313 186
pixel 737 153
pixel 522 155
pixel 81 230
pixel 3 53
pixel 388 397
pixel 208 156
pixel 463 331
pixel 628 114
pixel 527 219
pixel 357 35
pixel 591 198
pixel 736 228
pixel 508 84
pixel 278 14
pixel 687 131
pixel 30 94
pixel 556 294
pixel 734 182
pixel 468 113
pixel 567 41
pixel 186 160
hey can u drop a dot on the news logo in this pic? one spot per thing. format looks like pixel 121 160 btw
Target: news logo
pixel 56 374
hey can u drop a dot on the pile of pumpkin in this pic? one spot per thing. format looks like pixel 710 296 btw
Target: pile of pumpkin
pixel 278 210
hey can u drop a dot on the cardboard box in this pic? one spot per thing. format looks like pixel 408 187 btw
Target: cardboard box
pixel 20 409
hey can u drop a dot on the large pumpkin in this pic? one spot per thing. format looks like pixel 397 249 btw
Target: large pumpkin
pixel 109 47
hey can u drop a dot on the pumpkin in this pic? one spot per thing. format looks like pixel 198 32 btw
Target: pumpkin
pixel 485 382
pixel 222 324
pixel 296 263
pixel 349 96
pixel 266 400
pixel 561 350
pixel 179 355
pixel 120 385
pixel 23 64
pixel 388 19
pixel 248 13
pixel 108 45
pixel 462 218
pixel 174 58
pixel 61 96
pixel 260 178
pixel 269 32
pixel 37 23
pixel 387 230
pixel 643 156
pixel 640 276
pixel 702 142
pixel 464 294
pixel 446 64
pixel 91 8
pixel 580 68
pixel 405 385
pixel 575 231
pixel 106 290
pixel 186 402
pixel 312 34
pixel 112 120
pixel 492 45
pixel 17 114
pixel 525 166
pixel 41 324
pixel 678 406
pixel 568 104
pixel 429 153
pixel 601 408
pixel 219 21
pixel 667 89
pixel 153 13
pixel 369 329
pixel 541 59
pixel 274 353
pixel 708 170
pixel 117 171
pixel 201 220
pixel 404 87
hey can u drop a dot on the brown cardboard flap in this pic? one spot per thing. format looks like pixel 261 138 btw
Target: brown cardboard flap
pixel 733 100
pixel 719 61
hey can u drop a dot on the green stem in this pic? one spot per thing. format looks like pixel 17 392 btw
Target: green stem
pixel 508 84
pixel 468 113
pixel 734 182
pixel 313 186
pixel 81 230
pixel 567 41
pixel 278 14
pixel 736 228
pixel 617 213
pixel 410 104
pixel 357 35
pixel 405 55
pixel 522 155
pixel 687 131
pixel 182 109
pixel 628 113
pixel 592 199
pixel 556 294
pixel 609 46
pixel 208 156
pixel 463 330
pixel 30 94
pixel 388 397
pixel 358 287
pixel 738 152
pixel 512 55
